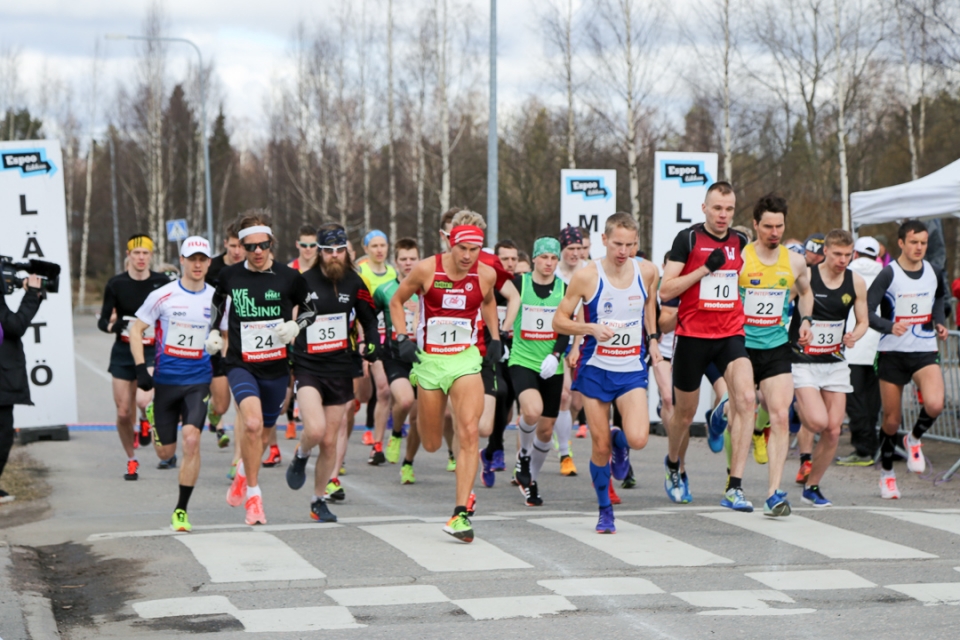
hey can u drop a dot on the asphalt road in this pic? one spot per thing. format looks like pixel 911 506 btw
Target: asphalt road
pixel 103 557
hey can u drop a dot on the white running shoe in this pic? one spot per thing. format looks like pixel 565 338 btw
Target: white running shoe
pixel 916 463
pixel 888 487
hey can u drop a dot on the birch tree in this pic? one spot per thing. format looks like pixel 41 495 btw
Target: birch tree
pixel 391 130
pixel 443 52
pixel 559 27
pixel 92 102
pixel 152 69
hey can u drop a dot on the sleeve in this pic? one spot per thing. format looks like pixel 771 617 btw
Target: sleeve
pixel 875 295
pixel 218 304
pixel 380 301
pixel 681 247
pixel 673 302
pixel 366 314
pixel 939 300
pixel 518 282
pixel 109 302
pixel 16 324
pixel 149 311
pixel 560 346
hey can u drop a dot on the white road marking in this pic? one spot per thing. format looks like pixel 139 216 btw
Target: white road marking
pixel 740 603
pixel 822 538
pixel 931 593
pixel 434 550
pixel 633 544
pixel 380 596
pixel 601 587
pixel 297 619
pixel 945 521
pixel 516 607
pixel 248 557
pixel 166 531
pixel 816 580
pixel 195 606
pixel 93 367
pixel 536 512
pixel 477 518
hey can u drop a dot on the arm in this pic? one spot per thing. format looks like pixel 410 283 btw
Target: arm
pixel 136 340
pixel 367 317
pixel 939 310
pixel 218 305
pixel 674 284
pixel 804 307
pixel 859 312
pixel 583 280
pixel 878 290
pixel 650 277
pixel 410 285
pixel 16 324
pixel 668 318
pixel 109 303
pixel 488 310
pixel 510 292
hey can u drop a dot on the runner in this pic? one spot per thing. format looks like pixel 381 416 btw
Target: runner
pixel 523 263
pixel 704 265
pixel 180 314
pixel 910 294
pixel 663 371
pixel 614 292
pixel 123 295
pixel 455 292
pixel 322 363
pixel 307 250
pixel 813 254
pixel 262 294
pixel 535 364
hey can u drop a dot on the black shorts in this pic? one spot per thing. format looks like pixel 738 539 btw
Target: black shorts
pixel 122 366
pixel 550 389
pixel 333 391
pixel 692 356
pixel 489 376
pixel 768 363
pixel 175 404
pixel 396 369
pixel 898 367
pixel 357 364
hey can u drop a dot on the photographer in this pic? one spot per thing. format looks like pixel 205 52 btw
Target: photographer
pixel 14 386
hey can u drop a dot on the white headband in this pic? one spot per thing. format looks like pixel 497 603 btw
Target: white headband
pixel 252 230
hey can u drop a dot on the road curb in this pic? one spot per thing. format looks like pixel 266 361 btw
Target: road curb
pixel 25 615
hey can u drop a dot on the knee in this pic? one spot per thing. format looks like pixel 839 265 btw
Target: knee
pixel 601 450
pixel 746 401
pixel 780 419
pixel 933 408
pixel 430 443
pixel 383 393
pixel 832 432
pixel 253 427
pixel 637 441
pixel 328 441
pixel 124 414
pixel 405 405
pixel 191 443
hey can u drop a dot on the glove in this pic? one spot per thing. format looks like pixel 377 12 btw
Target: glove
pixel 715 260
pixel 548 368
pixel 506 354
pixel 119 326
pixel 372 353
pixel 406 349
pixel 144 379
pixel 213 343
pixel 494 352
pixel 288 331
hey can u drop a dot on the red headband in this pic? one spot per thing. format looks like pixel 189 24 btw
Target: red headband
pixel 466 233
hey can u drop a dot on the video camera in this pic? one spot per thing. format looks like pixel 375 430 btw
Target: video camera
pixel 49 273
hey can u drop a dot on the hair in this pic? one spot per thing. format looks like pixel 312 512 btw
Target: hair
pixel 307 230
pixel 505 244
pixel 253 218
pixel 447 217
pixel 839 238
pixel 911 226
pixel 586 234
pixel 722 187
pixel 623 220
pixel 231 230
pixel 348 261
pixel 465 216
pixel 523 256
pixel 772 203
pixel 405 244
pixel 744 230
pixel 139 235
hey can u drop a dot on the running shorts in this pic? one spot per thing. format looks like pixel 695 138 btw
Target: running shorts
pixel 607 386
pixel 272 392
pixel 122 366
pixel 768 363
pixel 825 376
pixel 898 367
pixel 178 404
pixel 550 389
pixel 490 377
pixel 691 356
pixel 441 371
pixel 396 369
pixel 333 391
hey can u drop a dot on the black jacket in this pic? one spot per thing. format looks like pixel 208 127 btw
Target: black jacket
pixel 14 386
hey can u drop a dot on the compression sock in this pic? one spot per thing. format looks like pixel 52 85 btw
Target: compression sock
pixel 562 429
pixel 763 420
pixel 526 436
pixel 733 483
pixel 924 422
pixel 601 483
pixel 537 457
pixel 185 492
pixel 888 445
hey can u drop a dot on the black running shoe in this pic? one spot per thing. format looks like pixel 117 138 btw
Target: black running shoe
pixel 320 512
pixel 376 456
pixel 630 481
pixel 531 495
pixel 522 474
pixel 168 464
pixel 297 471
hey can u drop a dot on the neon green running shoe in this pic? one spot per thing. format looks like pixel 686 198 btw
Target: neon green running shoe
pixel 148 413
pixel 335 491
pixel 459 527
pixel 451 464
pixel 233 471
pixel 179 521
pixel 393 449
pixel 406 474
pixel 222 438
pixel 213 417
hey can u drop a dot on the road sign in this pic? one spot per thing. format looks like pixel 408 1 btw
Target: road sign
pixel 587 198
pixel 177 230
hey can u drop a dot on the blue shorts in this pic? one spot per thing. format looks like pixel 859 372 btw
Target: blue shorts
pixel 272 392
pixel 607 386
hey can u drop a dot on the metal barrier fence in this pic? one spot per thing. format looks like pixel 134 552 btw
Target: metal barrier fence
pixel 947 426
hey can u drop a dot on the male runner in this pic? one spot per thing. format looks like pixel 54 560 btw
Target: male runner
pixel 535 364
pixel 263 294
pixel 703 272
pixel 819 333
pixel 123 295
pixel 571 250
pixel 523 263
pixel 180 313
pixel 322 363
pixel 455 292
pixel 910 294
pixel 306 258
pixel 813 254
pixel 619 310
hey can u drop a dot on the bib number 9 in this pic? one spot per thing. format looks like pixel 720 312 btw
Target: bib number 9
pixel 536 323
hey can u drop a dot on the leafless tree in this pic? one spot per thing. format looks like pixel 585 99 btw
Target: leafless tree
pixel 391 128
pixel 560 32
pixel 92 104
pixel 152 70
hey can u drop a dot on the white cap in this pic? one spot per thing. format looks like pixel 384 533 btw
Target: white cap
pixel 194 245
pixel 867 246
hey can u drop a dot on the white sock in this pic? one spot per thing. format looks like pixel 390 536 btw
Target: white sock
pixel 527 433
pixel 537 457
pixel 317 498
pixel 253 491
pixel 562 429
pixel 887 474
pixel 911 440
pixel 134 458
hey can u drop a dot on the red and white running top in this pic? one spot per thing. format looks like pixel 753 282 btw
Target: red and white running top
pixel 449 312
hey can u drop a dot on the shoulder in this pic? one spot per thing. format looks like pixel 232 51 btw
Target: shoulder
pixel 740 237
pixel 584 277
pixel 120 277
pixel 797 261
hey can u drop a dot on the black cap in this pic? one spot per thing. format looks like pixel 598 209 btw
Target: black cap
pixel 814 244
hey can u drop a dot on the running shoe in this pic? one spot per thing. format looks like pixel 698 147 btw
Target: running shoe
pixel 804 472
pixel 459 527
pixel 513 478
pixel 254 507
pixel 297 471
pixel 531 495
pixel 274 458
pixel 888 487
pixel 237 492
pixel 487 476
pixel 813 496
pixel 148 413
pixel 320 512
pixel 405 431
pixel 472 504
pixel 915 460
pixel 606 522
pixel 133 468
pixel 367 438
pixel 222 438
pixel 213 417
pixel 451 464
pixel 733 499
pixel 498 464
pixel 170 463
pixel 335 491
pixel 619 459
pixel 6 497
pixel 392 453
pixel 291 430
pixel 855 460
pixel 630 481
pixel 179 521
pixel 343 469
pixel 144 435
pixel 406 474
pixel 376 455
pixel 581 431
pixel 672 484
pixel 567 467
pixel 521 472
pixel 232 471
pixel 136 438
pixel 777 505
pixel 760 448
pixel 686 497
pixel 716 425
pixel 614 498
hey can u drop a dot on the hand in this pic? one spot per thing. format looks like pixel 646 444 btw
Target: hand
pixel 805 334
pixel 144 379
pixel 654 350
pixel 494 353
pixel 506 354
pixel 288 331
pixel 942 332
pixel 548 368
pixel 715 260
pixel 406 349
pixel 601 332
pixel 214 343
pixel 848 340
pixel 573 357
pixel 118 326
pixel 32 282
pixel 372 353
pixel 900 328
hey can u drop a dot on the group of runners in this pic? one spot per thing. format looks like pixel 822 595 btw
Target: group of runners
pixel 450 349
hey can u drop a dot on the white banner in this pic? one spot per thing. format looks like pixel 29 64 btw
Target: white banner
pixel 680 182
pixel 587 198
pixel 34 223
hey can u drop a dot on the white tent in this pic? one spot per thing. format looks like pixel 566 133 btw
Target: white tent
pixel 934 196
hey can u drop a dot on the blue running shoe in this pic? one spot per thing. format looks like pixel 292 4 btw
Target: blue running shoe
pixel 405 431
pixel 487 476
pixel 606 522
pixel 733 499
pixel 716 425
pixel 812 496
pixel 390 422
pixel 685 485
pixel 777 505
pixel 672 484
pixel 497 464
pixel 168 464
pixel 620 459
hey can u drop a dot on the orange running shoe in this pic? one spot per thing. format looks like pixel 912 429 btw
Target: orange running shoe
pixel 133 467
pixel 367 438
pixel 255 513
pixel 292 430
pixel 471 504
pixel 582 431
pixel 614 498
pixel 274 458
pixel 804 472
pixel 567 468
pixel 237 492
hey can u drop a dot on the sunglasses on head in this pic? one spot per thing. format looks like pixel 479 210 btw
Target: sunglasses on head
pixel 332 250
pixel 257 245
pixel 307 245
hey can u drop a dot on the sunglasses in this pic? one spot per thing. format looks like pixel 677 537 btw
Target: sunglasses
pixel 332 250
pixel 307 245
pixel 265 245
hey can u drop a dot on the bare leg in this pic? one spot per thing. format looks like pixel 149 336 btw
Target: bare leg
pixel 465 395
pixel 124 393
pixel 743 399
pixel 777 394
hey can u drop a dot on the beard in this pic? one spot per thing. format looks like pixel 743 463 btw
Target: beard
pixel 334 269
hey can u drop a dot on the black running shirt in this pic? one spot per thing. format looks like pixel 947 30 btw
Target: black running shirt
pixel 126 296
pixel 217 265
pixel 831 308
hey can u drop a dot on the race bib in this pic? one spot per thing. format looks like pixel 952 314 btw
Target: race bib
pixel 536 323
pixel 410 319
pixel 381 325
pixel 914 308
pixel 148 338
pixel 448 336
pixel 626 341
pixel 827 337
pixel 327 333
pixel 763 307
pixel 259 341
pixel 719 291
pixel 185 339
pixel 501 314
